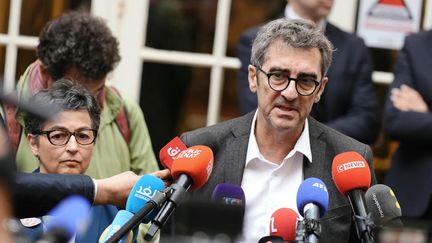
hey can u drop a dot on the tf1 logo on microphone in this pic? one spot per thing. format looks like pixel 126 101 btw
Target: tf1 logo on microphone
pixel 231 201
pixel 320 186
pixel 351 165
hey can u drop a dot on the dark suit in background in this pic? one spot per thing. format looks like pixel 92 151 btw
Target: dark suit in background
pixel 411 168
pixel 348 103
pixel 229 141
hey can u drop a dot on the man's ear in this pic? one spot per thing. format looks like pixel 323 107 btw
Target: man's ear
pixel 252 78
pixel 45 75
pixel 34 144
pixel 321 89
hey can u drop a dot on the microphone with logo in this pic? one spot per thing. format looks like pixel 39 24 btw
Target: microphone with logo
pixel 190 169
pixel 383 205
pixel 312 203
pixel 352 177
pixel 283 223
pixel 126 220
pixel 69 217
pixel 222 215
pixel 170 151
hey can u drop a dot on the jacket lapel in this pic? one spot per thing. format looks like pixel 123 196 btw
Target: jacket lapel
pixel 318 148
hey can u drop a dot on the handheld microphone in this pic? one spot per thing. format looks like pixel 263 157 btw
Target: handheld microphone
pixel 352 177
pixel 142 192
pixel 120 219
pixel 68 217
pixel 191 169
pixel 168 153
pixel 229 194
pixel 383 205
pixel 283 224
pixel 271 239
pixel 312 203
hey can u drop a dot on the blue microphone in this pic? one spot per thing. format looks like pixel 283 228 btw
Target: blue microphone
pixel 312 204
pixel 144 189
pixel 120 219
pixel 66 219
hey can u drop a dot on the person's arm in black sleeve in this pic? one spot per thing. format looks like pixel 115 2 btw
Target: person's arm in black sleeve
pixel 362 120
pixel 34 194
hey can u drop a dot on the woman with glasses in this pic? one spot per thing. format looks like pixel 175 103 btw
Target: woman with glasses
pixel 64 145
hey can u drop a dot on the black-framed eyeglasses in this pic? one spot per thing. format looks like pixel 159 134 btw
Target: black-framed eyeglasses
pixel 60 137
pixel 278 81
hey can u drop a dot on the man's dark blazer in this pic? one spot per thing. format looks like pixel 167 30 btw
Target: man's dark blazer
pixel 34 195
pixel 411 167
pixel 348 103
pixel 229 141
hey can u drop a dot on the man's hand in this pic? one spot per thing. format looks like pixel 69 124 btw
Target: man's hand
pixel 165 175
pixel 406 98
pixel 115 189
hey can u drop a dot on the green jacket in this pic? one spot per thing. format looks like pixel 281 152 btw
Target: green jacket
pixel 111 154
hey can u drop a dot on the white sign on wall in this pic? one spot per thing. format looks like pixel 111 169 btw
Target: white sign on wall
pixel 385 23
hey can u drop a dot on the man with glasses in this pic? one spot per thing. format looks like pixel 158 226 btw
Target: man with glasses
pixel 271 150
pixel 348 104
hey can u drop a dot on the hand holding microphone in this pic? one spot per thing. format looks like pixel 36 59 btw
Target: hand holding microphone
pixel 190 169
pixel 137 209
pixel 312 203
pixel 352 177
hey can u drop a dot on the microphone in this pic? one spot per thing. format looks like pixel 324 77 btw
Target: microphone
pixel 120 219
pixel 383 205
pixel 226 211
pixel 229 194
pixel 142 192
pixel 191 169
pixel 283 224
pixel 271 239
pixel 170 151
pixel 352 177
pixel 68 217
pixel 312 203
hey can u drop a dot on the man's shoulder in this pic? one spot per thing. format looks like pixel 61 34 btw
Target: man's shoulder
pixel 422 38
pixel 333 137
pixel 338 36
pixel 207 135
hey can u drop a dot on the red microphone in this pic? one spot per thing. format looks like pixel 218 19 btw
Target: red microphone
pixel 352 177
pixel 283 224
pixel 170 151
pixel 191 168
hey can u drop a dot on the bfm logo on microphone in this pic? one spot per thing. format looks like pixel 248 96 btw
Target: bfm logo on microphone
pixel 351 165
pixel 189 153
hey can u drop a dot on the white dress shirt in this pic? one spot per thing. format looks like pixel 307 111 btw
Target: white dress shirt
pixel 269 186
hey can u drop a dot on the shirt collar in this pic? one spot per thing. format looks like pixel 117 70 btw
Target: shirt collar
pixel 302 145
pixel 290 14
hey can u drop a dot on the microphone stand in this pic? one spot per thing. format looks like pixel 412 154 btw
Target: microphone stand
pixel 154 203
pixel 308 231
pixel 364 224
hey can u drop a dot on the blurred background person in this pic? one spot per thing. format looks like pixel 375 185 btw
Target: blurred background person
pixel 408 120
pixel 82 47
pixel 348 104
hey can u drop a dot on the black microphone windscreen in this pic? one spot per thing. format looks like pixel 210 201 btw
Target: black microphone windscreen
pixel 383 206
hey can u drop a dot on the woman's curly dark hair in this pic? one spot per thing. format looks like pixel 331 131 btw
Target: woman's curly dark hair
pixel 78 40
